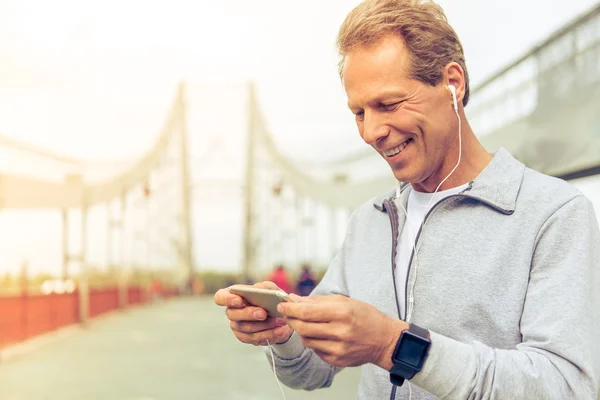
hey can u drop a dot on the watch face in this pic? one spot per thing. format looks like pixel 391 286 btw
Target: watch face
pixel 411 351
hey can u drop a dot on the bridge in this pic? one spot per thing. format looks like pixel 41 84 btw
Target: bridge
pixel 121 321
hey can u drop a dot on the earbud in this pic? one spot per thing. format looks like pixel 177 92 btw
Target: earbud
pixel 453 91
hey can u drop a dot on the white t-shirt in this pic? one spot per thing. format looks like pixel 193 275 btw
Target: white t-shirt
pixel 419 204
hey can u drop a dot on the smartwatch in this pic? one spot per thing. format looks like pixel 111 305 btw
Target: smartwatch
pixel 410 354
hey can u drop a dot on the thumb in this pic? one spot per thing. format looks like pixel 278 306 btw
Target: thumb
pixel 300 299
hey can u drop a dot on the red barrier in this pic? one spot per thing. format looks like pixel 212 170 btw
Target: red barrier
pixel 12 323
pixel 26 316
pixel 103 301
pixel 50 312
pixel 135 296
pixel 23 317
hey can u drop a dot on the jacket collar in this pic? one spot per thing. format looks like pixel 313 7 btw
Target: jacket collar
pixel 497 185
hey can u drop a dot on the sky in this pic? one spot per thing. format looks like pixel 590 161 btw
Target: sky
pixel 95 79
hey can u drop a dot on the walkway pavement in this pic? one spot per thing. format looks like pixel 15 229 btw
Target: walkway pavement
pixel 181 349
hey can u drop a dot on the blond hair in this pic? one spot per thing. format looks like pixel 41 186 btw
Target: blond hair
pixel 423 26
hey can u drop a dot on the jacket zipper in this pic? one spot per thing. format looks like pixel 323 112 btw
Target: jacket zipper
pixel 394 215
pixel 459 195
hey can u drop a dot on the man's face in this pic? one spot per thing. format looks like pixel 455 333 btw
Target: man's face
pixel 411 124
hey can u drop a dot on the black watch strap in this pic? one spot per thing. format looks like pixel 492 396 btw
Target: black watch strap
pixel 417 330
pixel 399 373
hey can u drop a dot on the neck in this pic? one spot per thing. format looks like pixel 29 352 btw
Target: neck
pixel 474 159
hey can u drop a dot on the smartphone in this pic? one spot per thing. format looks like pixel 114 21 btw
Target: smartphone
pixel 267 299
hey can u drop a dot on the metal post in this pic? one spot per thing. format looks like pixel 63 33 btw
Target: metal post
pixel 299 231
pixel 265 220
pixel 248 259
pixel 313 231
pixel 24 283
pixel 279 246
pixel 332 231
pixel 24 286
pixel 296 237
pixel 109 237
pixel 147 231
pixel 187 245
pixel 84 292
pixel 65 243
pixel 122 274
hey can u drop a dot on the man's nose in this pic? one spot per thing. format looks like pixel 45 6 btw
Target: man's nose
pixel 374 129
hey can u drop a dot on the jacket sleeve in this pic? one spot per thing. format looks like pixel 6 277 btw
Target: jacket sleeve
pixel 559 357
pixel 299 367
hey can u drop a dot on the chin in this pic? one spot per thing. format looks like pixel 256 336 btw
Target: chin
pixel 408 171
pixel 403 176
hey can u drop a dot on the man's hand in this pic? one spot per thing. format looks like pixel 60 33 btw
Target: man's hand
pixel 342 331
pixel 250 324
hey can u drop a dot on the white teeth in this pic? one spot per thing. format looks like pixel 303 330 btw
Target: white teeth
pixel 396 150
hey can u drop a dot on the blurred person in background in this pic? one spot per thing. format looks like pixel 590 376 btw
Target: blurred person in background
pixel 156 290
pixel 306 281
pixel 280 277
pixel 476 278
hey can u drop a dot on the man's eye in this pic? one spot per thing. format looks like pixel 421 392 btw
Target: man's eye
pixel 388 107
pixel 359 114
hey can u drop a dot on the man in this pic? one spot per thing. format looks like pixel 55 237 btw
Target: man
pixel 476 279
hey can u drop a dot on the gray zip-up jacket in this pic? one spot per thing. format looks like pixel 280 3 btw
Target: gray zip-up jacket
pixel 508 285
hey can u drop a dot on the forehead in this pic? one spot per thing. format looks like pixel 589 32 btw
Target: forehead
pixel 384 64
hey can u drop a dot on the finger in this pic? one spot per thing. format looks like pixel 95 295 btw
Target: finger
pixel 305 311
pixel 274 336
pixel 249 313
pixel 331 359
pixel 224 297
pixel 323 348
pixel 317 330
pixel 254 327
pixel 323 355
pixel 294 298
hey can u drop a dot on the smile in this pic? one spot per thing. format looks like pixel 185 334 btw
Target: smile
pixel 397 149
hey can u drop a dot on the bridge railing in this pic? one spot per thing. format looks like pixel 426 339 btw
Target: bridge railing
pixel 26 316
pixel 552 71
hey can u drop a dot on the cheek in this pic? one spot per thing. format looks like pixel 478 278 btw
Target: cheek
pixel 428 130
pixel 432 143
pixel 410 119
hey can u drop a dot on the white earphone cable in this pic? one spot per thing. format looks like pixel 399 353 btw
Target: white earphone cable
pixel 275 370
pixel 416 250
pixel 410 304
